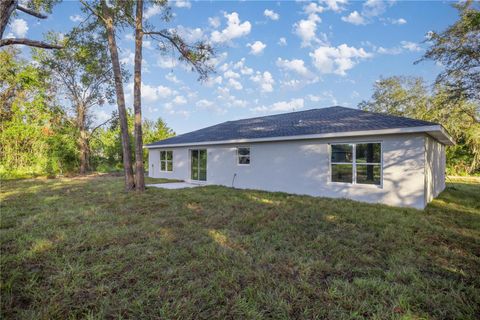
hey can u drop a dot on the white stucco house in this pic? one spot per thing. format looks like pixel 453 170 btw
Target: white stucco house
pixel 330 152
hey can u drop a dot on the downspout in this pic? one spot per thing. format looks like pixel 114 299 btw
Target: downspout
pixel 233 180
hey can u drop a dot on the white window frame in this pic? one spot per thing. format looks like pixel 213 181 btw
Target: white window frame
pixel 354 164
pixel 166 161
pixel 249 156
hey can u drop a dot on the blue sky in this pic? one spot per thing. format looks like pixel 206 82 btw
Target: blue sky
pixel 272 56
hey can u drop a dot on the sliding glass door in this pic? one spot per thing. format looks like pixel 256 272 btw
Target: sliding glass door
pixel 199 164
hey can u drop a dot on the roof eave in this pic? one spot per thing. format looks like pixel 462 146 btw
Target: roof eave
pixel 436 131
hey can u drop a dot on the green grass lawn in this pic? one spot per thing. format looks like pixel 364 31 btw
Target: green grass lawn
pixel 82 248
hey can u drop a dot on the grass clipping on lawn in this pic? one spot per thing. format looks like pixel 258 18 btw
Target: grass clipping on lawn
pixel 82 248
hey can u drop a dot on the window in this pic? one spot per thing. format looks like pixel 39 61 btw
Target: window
pixel 243 156
pixel 356 163
pixel 166 160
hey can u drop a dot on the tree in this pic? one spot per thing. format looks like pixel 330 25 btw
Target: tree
pixel 34 138
pixel 83 74
pixel 110 16
pixel 197 55
pixel 137 99
pixel 409 97
pixel 120 13
pixel 401 96
pixel 458 50
pixel 32 7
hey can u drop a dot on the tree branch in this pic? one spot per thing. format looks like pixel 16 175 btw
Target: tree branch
pixel 92 10
pixel 31 12
pixel 28 42
pixel 100 125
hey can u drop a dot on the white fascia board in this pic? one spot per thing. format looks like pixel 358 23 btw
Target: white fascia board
pixel 427 129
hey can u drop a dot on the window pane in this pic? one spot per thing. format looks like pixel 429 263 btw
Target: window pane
pixel 342 152
pixel 243 151
pixel 368 174
pixel 169 166
pixel 162 165
pixel 368 153
pixel 169 155
pixel 194 164
pixel 244 160
pixel 162 155
pixel 203 174
pixel 342 173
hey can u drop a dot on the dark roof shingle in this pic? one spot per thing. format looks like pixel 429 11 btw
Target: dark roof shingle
pixel 314 121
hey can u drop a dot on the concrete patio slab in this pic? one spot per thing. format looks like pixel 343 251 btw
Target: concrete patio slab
pixel 174 185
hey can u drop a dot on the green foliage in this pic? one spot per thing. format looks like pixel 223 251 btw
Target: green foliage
pixel 458 50
pixel 37 136
pixel 409 97
pixel 31 123
pixel 106 144
pixel 81 248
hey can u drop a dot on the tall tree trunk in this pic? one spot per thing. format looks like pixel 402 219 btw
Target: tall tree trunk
pixel 83 137
pixel 122 111
pixel 7 7
pixel 137 99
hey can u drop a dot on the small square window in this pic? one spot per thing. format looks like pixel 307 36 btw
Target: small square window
pixel 357 163
pixel 166 160
pixel 243 156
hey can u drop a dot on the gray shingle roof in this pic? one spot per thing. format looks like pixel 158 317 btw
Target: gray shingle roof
pixel 314 121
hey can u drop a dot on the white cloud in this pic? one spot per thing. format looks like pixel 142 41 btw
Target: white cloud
pixel 313 7
pixel 271 14
pixel 282 41
pixel 337 59
pixel 76 18
pixel 172 78
pixel 399 21
pixel 231 74
pixel 306 29
pixel 264 80
pixel 166 62
pixel 147 44
pixel 335 5
pixel 371 9
pixel 151 93
pixel 127 57
pixel 392 51
pixel 374 8
pixel 209 105
pixel 152 11
pixel 296 65
pixel 189 34
pixel 101 116
pixel 19 27
pixel 240 65
pixel 235 84
pixel 169 108
pixel 204 103
pixel 410 46
pixel 234 29
pixel 257 47
pixel 326 96
pixel 282 106
pixel 214 81
pixel 178 100
pixel 354 18
pixel 214 22
pixel 183 4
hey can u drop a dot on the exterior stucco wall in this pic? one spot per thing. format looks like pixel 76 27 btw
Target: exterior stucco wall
pixel 303 167
pixel 435 161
